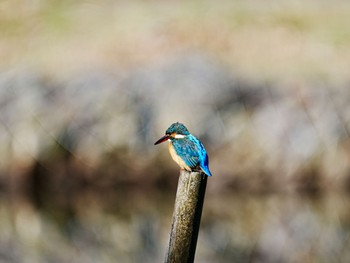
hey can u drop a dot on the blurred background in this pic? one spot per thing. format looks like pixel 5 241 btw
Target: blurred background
pixel 87 87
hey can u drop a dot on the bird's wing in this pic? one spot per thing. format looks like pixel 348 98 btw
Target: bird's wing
pixel 188 151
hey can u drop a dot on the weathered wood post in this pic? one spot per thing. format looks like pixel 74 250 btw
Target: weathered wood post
pixel 186 217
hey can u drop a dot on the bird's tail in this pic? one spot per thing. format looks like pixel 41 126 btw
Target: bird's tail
pixel 206 170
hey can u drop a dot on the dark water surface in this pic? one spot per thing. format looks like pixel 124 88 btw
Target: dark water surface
pixel 133 227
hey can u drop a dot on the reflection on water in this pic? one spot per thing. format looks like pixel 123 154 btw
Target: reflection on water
pixel 235 228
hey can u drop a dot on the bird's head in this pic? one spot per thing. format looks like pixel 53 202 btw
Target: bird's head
pixel 175 131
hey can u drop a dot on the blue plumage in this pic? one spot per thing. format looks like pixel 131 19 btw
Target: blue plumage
pixel 186 150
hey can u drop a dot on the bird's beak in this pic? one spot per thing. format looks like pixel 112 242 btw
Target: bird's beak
pixel 163 139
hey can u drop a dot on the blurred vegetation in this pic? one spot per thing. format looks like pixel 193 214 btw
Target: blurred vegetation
pixel 270 40
pixel 86 87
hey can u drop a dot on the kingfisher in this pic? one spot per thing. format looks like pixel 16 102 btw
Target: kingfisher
pixel 185 149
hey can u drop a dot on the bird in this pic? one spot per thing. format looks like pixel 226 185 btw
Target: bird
pixel 185 149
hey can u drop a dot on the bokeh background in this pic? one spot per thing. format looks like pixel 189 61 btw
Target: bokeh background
pixel 87 87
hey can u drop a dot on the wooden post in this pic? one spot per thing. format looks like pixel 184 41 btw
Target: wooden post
pixel 186 217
